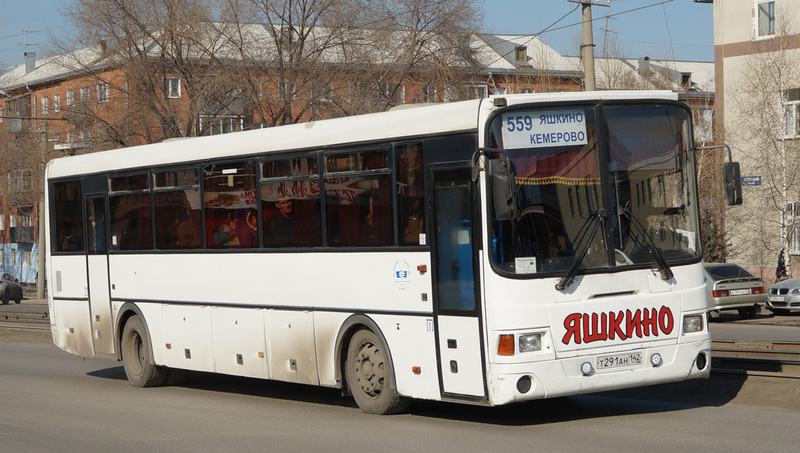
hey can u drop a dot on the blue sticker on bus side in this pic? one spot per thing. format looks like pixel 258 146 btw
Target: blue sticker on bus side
pixel 402 274
pixel 544 128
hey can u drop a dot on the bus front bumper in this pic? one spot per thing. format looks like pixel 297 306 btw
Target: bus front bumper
pixel 599 373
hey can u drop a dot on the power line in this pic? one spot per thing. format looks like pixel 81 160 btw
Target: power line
pixel 550 29
pixel 33 31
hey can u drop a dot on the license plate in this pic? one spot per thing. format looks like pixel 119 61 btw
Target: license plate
pixel 776 298
pixel 739 292
pixel 619 360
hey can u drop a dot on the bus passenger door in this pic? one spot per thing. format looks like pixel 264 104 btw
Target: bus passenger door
pixel 98 276
pixel 457 311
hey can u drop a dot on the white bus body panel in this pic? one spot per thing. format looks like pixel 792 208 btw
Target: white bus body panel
pixel 412 343
pixel 68 304
pixel 71 328
pixel 100 304
pixel 186 330
pixel 292 350
pixel 68 277
pixel 300 280
pixel 462 365
pixel 239 341
pixel 327 325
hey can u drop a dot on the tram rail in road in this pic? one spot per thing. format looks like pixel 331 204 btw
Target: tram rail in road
pixel 763 358
pixel 27 321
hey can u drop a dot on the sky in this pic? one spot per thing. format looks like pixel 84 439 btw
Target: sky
pixel 660 29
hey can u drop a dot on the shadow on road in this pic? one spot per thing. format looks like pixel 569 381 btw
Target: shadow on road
pixel 716 391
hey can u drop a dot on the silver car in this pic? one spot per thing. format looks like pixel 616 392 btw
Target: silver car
pixel 731 287
pixel 783 297
pixel 10 288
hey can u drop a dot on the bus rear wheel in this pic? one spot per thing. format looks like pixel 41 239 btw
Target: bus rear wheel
pixel 136 353
pixel 370 375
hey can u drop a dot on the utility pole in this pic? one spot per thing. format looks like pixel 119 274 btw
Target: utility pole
pixel 587 48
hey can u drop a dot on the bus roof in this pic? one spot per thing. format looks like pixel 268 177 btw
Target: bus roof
pixel 406 122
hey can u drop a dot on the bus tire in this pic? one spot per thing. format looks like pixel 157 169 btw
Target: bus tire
pixel 370 375
pixel 136 353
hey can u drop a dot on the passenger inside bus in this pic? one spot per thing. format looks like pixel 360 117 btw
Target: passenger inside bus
pixel 282 224
pixel 188 234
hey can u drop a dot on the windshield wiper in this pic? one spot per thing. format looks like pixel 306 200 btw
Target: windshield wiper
pixel 661 263
pixel 595 221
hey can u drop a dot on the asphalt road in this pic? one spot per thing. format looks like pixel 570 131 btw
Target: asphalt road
pixel 53 401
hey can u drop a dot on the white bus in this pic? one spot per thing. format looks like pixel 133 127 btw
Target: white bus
pixel 485 252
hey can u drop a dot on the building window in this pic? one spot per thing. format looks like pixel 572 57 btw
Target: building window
pixel 215 125
pixel 521 54
pixel 25 216
pixel 70 98
pixel 2 222
pixel 86 94
pixel 56 103
pixel 173 87
pixel 45 105
pixel 20 181
pixel 429 93
pixel 792 226
pixel 286 91
pixel 27 258
pixel 102 92
pixel 12 258
pixel 791 102
pixel 765 17
pixel 1 114
pixel 12 220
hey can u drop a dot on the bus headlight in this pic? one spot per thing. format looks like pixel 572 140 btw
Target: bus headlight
pixel 530 342
pixel 692 323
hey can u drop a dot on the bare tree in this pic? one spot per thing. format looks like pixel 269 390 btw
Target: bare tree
pixel 313 59
pixel 757 125
pixel 160 54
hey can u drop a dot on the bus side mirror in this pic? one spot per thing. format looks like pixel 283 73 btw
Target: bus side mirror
pixel 733 183
pixel 503 189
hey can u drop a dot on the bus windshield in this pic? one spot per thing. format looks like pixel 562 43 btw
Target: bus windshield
pixel 597 188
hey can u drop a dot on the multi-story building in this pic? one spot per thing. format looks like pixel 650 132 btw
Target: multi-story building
pixel 757 65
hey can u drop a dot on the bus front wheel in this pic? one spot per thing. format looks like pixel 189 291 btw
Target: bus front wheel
pixel 370 375
pixel 136 355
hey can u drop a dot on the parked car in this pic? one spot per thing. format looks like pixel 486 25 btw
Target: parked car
pixel 10 288
pixel 783 297
pixel 731 287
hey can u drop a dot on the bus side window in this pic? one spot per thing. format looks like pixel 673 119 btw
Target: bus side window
pixel 410 190
pixel 229 201
pixel 358 205
pixel 177 209
pixel 290 206
pixel 68 218
pixel 131 224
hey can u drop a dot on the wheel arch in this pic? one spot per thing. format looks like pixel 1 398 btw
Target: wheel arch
pixel 349 327
pixel 127 310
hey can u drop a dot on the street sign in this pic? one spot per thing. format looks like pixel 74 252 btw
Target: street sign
pixel 751 180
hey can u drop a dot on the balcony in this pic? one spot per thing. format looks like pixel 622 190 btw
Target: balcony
pixel 21 234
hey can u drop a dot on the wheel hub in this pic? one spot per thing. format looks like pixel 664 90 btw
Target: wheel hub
pixel 369 371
